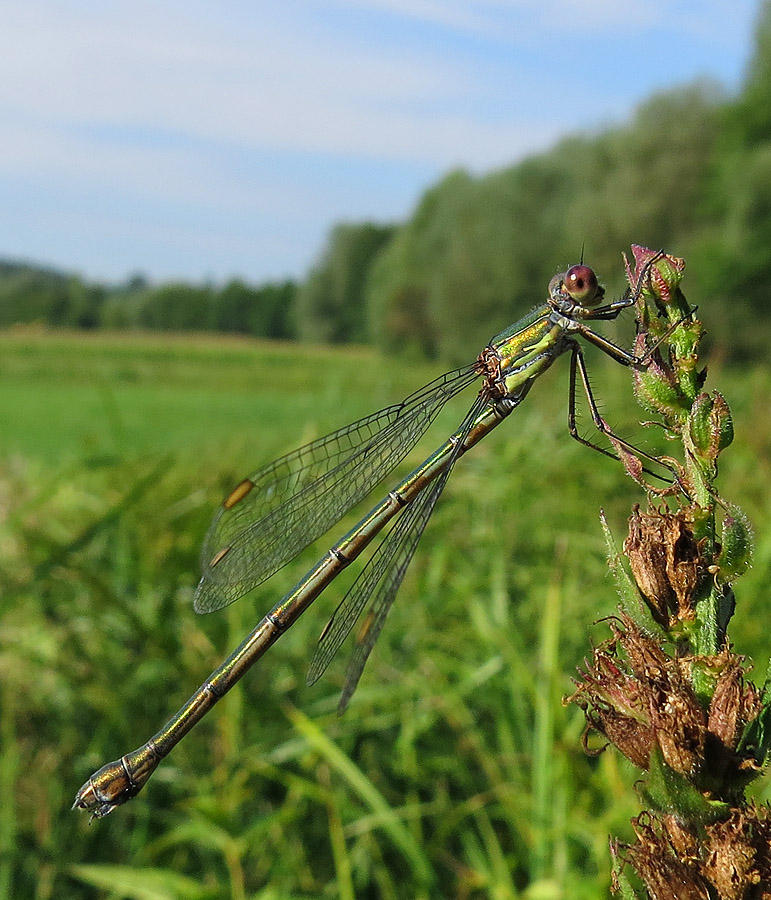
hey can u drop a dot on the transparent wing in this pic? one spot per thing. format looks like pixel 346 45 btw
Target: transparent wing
pixel 379 581
pixel 282 508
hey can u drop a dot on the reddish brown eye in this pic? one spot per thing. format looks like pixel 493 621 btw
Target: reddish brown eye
pixel 581 285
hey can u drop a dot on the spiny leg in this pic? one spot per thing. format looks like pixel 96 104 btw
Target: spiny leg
pixel 578 367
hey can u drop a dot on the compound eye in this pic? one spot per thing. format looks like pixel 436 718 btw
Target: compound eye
pixel 581 285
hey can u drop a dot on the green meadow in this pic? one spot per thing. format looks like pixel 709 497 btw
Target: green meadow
pixel 456 771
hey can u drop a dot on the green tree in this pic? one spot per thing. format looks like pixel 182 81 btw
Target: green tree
pixel 30 294
pixel 748 118
pixel 263 311
pixel 233 306
pixel 274 314
pixel 731 250
pixel 123 303
pixel 177 306
pixel 85 304
pixel 331 305
pixel 479 252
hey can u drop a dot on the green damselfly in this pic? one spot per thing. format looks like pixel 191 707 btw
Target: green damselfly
pixel 279 510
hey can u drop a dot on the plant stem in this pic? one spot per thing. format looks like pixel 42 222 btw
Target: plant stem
pixel 666 689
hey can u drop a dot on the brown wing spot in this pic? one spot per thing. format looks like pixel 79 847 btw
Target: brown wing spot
pixel 361 636
pixel 219 556
pixel 238 493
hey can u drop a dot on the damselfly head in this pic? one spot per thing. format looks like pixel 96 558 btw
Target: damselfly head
pixel 578 285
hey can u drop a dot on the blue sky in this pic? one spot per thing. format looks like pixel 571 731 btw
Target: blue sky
pixel 206 140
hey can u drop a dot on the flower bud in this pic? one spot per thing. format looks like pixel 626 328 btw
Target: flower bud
pixel 656 389
pixel 653 271
pixel 737 545
pixel 710 425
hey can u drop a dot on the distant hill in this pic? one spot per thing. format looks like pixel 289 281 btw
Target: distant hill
pixel 9 268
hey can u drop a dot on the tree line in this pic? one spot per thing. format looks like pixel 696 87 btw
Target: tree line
pixel 30 294
pixel 691 173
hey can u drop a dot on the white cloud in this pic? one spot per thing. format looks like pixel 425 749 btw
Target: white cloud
pixel 264 87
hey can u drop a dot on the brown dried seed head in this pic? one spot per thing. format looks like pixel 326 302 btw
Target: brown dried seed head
pixel 646 552
pixel 666 563
pixel 680 731
pixel 737 855
pixel 647 659
pixel 637 697
pixel 665 874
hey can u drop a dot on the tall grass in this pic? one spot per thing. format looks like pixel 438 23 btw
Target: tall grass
pixel 456 770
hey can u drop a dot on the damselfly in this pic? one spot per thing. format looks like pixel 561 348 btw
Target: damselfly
pixel 279 510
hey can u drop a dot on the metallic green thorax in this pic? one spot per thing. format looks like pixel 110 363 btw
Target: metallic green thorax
pixel 528 347
pixel 529 350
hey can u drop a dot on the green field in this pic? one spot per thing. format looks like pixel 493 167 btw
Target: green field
pixel 456 771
